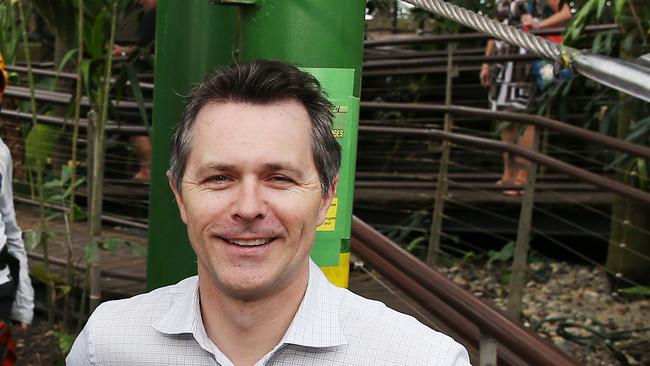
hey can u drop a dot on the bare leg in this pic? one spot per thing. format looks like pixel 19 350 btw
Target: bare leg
pixel 521 164
pixel 508 136
pixel 142 149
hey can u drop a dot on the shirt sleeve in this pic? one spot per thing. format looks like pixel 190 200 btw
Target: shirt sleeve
pixel 23 307
pixel 459 357
pixel 80 353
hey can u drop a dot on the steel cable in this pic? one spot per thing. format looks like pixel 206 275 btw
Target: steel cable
pixel 540 46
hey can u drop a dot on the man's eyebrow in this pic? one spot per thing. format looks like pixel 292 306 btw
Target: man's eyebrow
pixel 281 166
pixel 216 166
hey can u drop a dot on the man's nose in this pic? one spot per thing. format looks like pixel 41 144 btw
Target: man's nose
pixel 249 203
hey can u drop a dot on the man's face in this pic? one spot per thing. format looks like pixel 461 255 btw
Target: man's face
pixel 251 197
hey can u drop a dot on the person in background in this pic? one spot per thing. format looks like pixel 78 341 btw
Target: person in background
pixel 511 84
pixel 145 39
pixel 16 291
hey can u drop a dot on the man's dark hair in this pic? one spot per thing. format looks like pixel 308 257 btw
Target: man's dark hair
pixel 262 82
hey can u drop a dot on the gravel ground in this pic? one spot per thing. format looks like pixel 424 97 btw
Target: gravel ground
pixel 573 306
pixel 37 346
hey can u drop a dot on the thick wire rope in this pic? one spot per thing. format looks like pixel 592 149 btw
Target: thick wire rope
pixel 539 209
pixel 539 46
pixel 592 233
pixel 568 248
pixel 587 159
pixel 577 226
pixel 563 197
pixel 596 211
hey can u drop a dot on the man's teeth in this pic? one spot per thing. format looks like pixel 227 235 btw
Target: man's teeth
pixel 252 242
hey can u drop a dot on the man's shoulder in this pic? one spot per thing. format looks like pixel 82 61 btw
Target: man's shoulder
pixel 143 308
pixel 379 324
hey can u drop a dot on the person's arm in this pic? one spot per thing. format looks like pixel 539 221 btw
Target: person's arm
pixel 485 68
pixel 554 20
pixel 23 307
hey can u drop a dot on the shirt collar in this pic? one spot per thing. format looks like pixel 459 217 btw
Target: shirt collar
pixel 316 323
pixel 183 315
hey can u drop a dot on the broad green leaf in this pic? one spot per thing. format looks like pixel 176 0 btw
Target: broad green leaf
pixel 601 6
pixel 502 255
pixel 414 243
pixel 79 213
pixel 90 252
pixel 65 59
pixel 638 290
pixel 53 216
pixel 619 6
pixel 138 250
pixel 53 184
pixel 32 239
pixel 65 341
pixel 39 272
pixel 642 169
pixel 55 198
pixel 66 173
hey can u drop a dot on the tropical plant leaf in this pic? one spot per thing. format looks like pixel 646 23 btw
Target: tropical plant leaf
pixel 506 253
pixel 38 272
pixel 638 290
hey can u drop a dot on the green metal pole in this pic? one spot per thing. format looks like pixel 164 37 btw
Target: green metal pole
pixel 307 33
pixel 192 37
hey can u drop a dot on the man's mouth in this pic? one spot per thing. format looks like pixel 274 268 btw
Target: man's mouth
pixel 250 242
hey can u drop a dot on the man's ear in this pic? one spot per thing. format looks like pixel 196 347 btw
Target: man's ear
pixel 178 197
pixel 327 200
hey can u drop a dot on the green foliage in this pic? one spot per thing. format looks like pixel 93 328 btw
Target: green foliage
pixel 638 290
pixel 505 254
pixel 38 272
pixel 9 33
pixel 57 15
pixel 444 25
pixel 34 238
pixel 111 245
pixel 65 341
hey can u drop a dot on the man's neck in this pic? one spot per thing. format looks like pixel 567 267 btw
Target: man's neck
pixel 245 331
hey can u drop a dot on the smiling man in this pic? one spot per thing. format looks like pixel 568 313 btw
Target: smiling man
pixel 253 169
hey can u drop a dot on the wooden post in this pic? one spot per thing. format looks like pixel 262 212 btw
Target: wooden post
pixel 95 180
pixel 520 261
pixel 487 351
pixel 441 191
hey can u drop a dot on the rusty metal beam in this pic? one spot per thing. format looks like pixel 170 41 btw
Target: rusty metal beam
pixel 111 126
pixel 624 146
pixel 521 341
pixel 65 98
pixel 582 174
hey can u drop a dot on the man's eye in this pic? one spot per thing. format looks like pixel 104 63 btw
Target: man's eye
pixel 280 179
pixel 218 179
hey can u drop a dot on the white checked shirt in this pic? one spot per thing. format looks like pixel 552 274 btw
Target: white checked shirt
pixel 332 326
